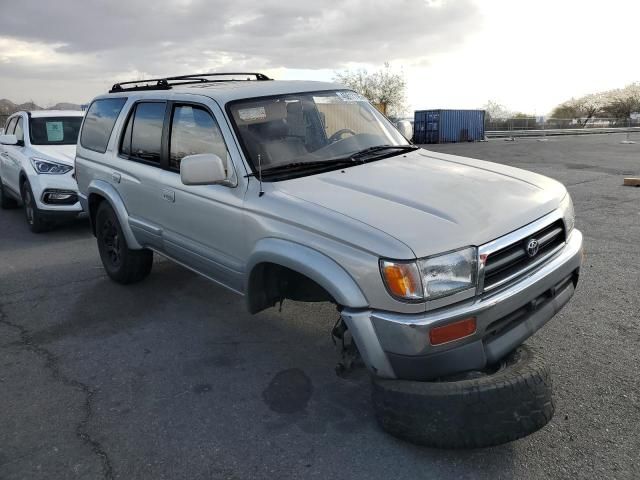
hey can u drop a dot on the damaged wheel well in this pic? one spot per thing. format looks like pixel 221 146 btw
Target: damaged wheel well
pixel 270 283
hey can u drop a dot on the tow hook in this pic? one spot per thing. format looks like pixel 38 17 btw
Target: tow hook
pixel 349 355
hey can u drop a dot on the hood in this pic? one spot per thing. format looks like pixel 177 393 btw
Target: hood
pixel 64 154
pixel 433 202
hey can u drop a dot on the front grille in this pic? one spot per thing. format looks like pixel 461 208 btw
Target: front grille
pixel 512 261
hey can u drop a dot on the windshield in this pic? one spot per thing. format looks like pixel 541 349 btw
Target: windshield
pixel 55 130
pixel 310 127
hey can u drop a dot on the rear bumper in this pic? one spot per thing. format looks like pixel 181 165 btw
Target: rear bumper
pixel 397 345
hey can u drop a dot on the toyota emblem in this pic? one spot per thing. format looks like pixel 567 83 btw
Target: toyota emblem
pixel 532 247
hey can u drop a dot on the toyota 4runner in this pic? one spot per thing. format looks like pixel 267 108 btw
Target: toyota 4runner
pixel 440 266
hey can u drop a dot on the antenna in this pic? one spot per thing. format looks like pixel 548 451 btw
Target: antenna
pixel 260 175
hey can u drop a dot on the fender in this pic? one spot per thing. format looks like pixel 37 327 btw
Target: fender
pixel 310 263
pixel 111 195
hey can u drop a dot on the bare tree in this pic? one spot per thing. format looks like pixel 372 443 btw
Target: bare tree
pixel 495 110
pixel 384 88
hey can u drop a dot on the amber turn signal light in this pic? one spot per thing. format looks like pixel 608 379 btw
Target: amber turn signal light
pixel 452 331
pixel 402 279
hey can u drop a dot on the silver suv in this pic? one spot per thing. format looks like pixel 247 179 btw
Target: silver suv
pixel 302 190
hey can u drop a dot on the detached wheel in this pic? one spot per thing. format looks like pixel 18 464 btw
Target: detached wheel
pixel 122 264
pixel 35 218
pixel 6 202
pixel 494 408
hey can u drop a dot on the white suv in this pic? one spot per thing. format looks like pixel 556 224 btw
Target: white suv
pixel 37 151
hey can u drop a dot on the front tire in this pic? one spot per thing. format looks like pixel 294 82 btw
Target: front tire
pixel 35 218
pixel 122 264
pixel 496 408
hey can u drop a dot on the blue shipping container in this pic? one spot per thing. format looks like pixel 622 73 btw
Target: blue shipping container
pixel 448 126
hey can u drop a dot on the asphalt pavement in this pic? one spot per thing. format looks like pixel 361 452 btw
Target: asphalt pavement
pixel 172 379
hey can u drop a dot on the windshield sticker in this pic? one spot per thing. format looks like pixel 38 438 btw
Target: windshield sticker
pixel 55 132
pixel 347 96
pixel 327 100
pixel 252 114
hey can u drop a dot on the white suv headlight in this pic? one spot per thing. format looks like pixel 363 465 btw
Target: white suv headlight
pixel 432 277
pixel 48 167
pixel 568 214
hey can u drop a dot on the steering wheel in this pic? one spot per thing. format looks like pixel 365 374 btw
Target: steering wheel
pixel 338 135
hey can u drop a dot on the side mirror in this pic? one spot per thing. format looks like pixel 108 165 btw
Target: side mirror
pixel 202 169
pixel 8 140
pixel 405 128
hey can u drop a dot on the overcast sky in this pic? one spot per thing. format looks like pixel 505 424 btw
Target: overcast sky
pixel 528 56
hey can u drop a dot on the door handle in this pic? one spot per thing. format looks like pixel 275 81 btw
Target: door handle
pixel 169 195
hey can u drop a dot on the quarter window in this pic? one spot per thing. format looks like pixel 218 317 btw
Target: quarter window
pixel 10 126
pixel 19 132
pixel 99 122
pixel 194 131
pixel 142 137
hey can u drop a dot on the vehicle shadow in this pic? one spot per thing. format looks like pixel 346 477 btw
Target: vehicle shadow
pixel 16 233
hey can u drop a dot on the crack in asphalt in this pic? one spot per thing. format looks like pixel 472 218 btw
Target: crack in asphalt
pixel 52 364
pixel 609 205
pixel 603 177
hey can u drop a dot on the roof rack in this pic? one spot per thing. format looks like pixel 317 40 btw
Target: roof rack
pixel 167 82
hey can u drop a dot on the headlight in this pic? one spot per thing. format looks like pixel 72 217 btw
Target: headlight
pixel 568 214
pixel 432 277
pixel 449 273
pixel 48 167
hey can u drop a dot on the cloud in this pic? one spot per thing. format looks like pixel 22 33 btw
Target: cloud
pixel 168 35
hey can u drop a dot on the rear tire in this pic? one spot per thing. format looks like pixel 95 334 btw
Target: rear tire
pixel 122 264
pixel 35 219
pixel 497 408
pixel 6 202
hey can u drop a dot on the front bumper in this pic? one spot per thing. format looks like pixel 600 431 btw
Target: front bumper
pixel 41 185
pixel 397 345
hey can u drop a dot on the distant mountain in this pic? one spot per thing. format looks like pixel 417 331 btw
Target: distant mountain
pixel 7 107
pixel 65 106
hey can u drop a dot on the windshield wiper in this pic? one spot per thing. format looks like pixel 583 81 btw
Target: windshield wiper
pixel 380 148
pixel 355 158
pixel 304 165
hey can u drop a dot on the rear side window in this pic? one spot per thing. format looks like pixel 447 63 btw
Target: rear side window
pixel 99 123
pixel 142 137
pixel 193 131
